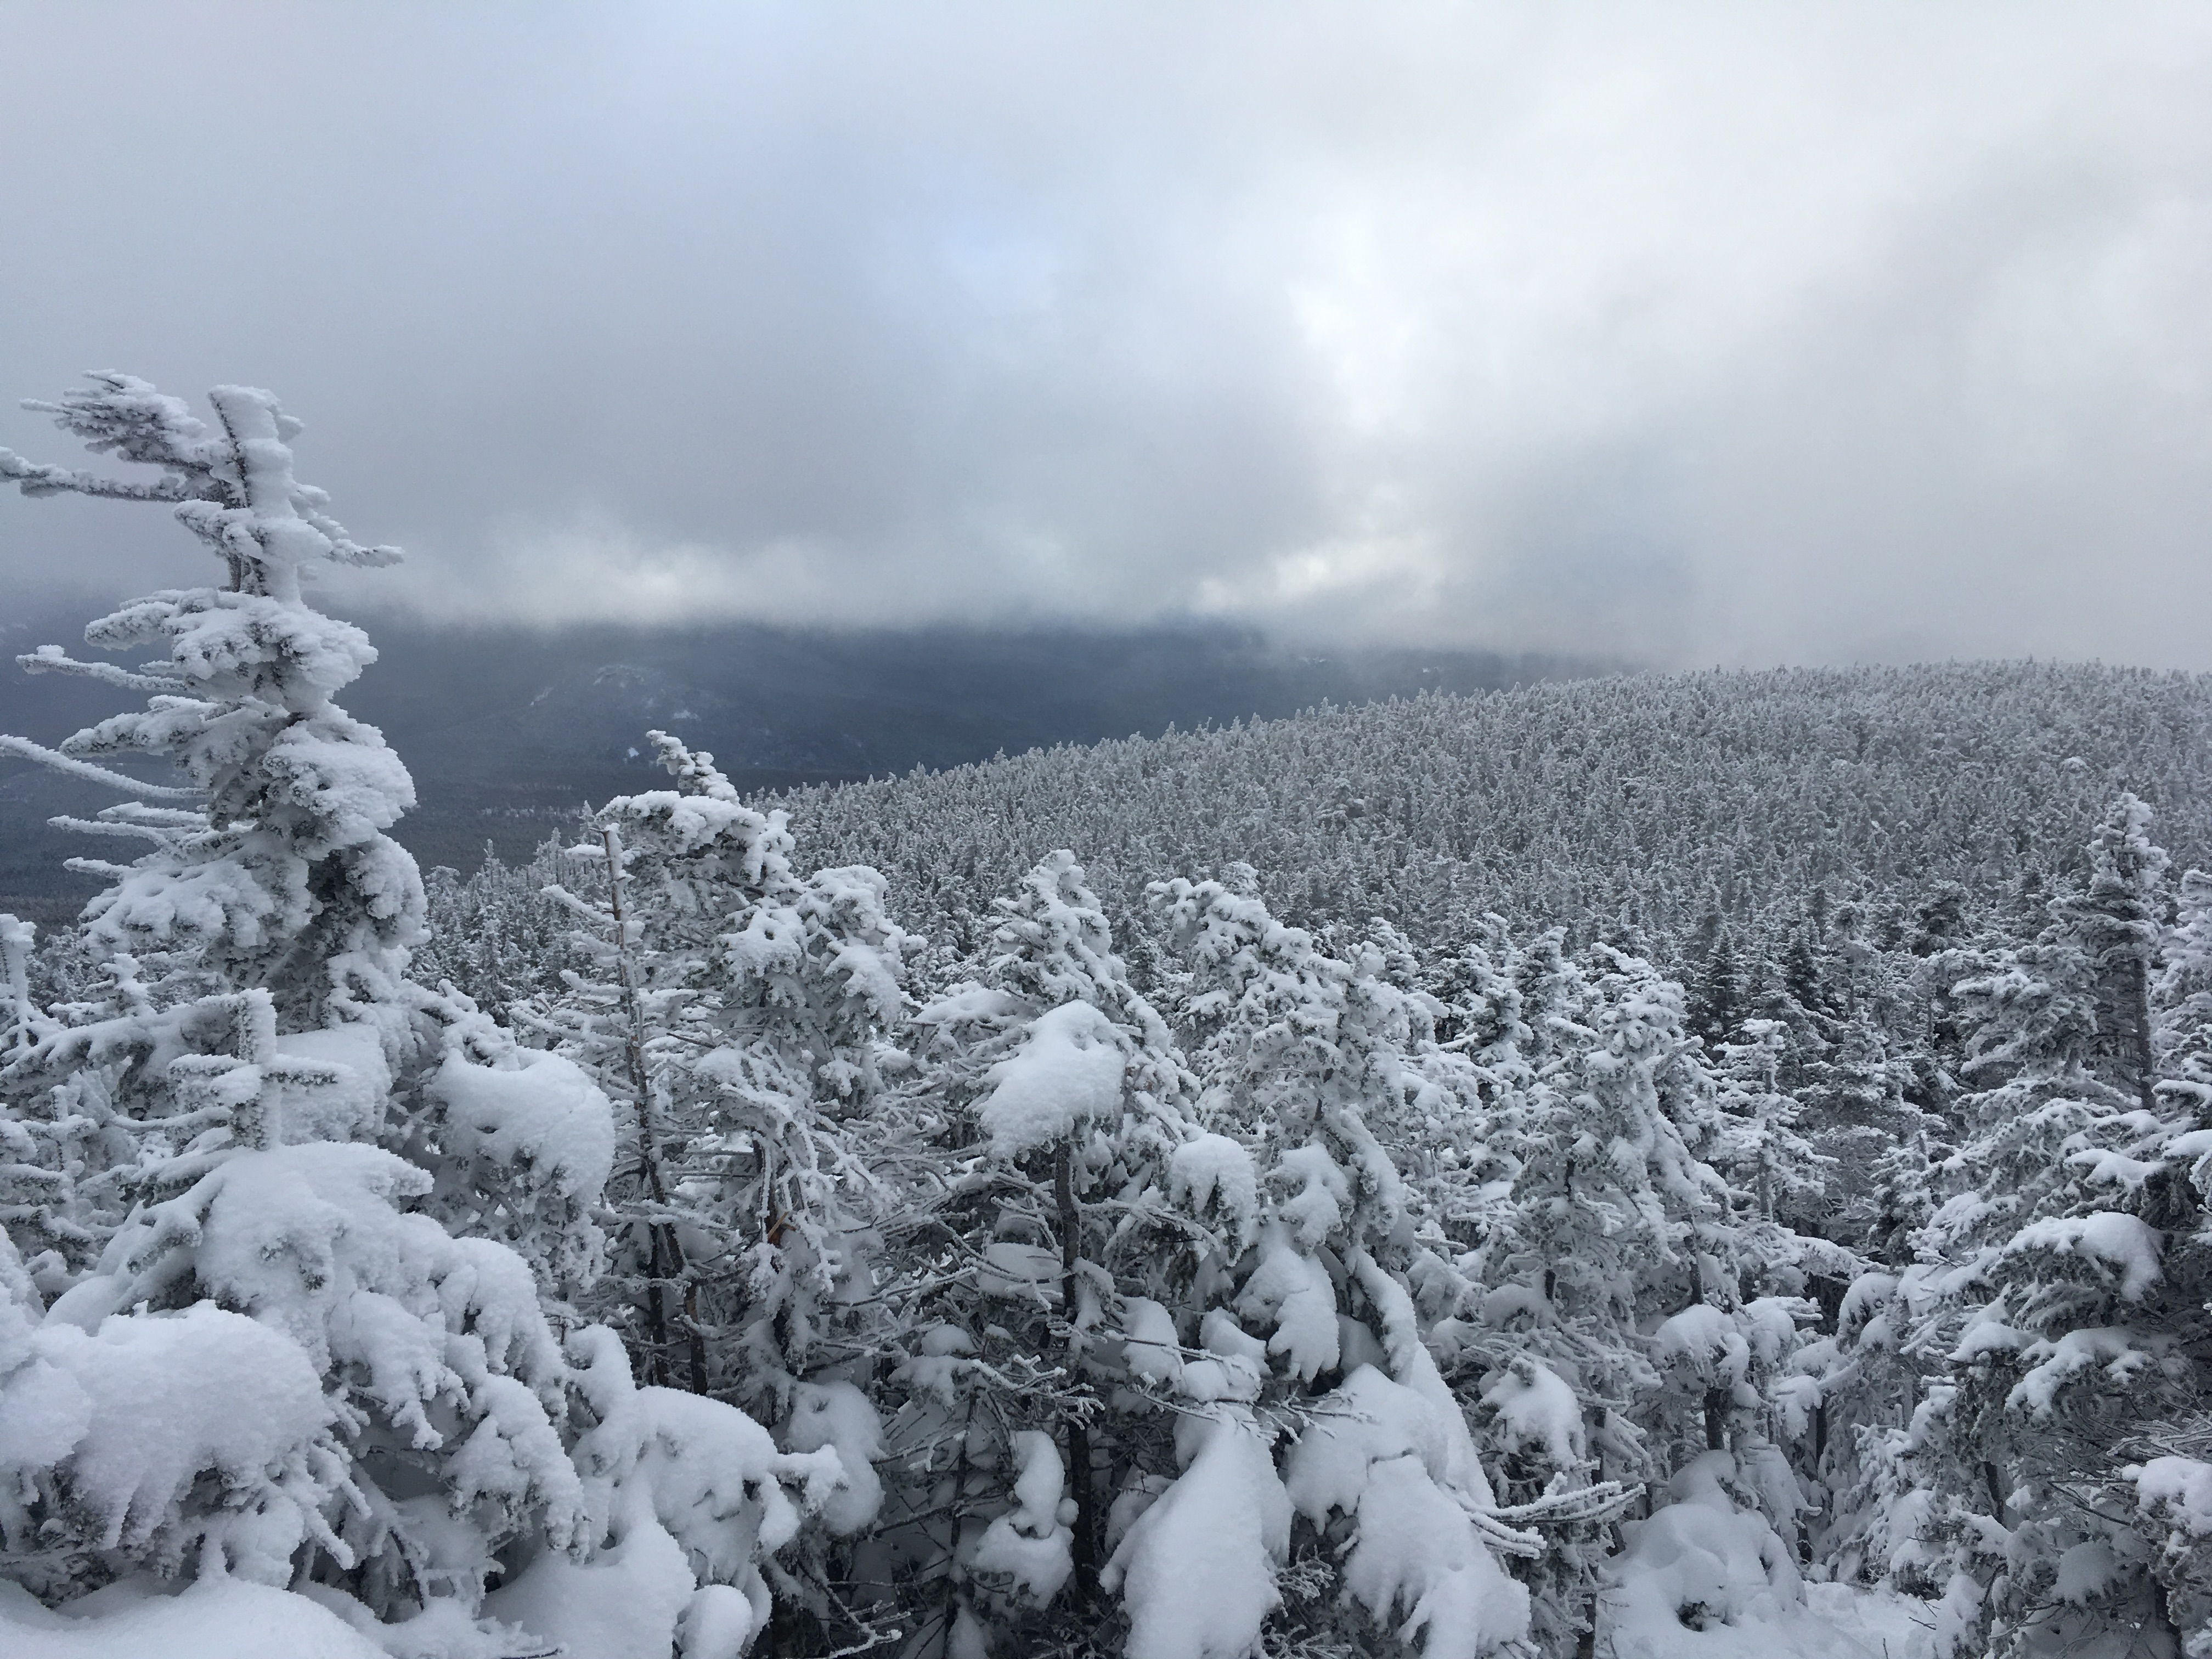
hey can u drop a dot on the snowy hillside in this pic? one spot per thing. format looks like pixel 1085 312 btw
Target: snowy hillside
pixel 508 731
pixel 1625 807
pixel 1670 1170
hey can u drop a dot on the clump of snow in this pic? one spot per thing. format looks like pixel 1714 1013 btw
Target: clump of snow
pixel 346 1101
pixel 1699 1562
pixel 1019 1272
pixel 1068 1071
pixel 1151 1347
pixel 1384 1453
pixel 2179 1489
pixel 2115 1354
pixel 1836 1621
pixel 624 1603
pixel 2125 1243
pixel 1031 1543
pixel 1316 1208
pixel 1213 1173
pixel 541 1113
pixel 441 1340
pixel 1415 1367
pixel 1235 1365
pixel 1295 1291
pixel 1196 1569
pixel 130 1416
pixel 838 1415
pixel 1416 1548
pixel 215 1617
pixel 717 1623
pixel 1705 1342
pixel 1533 1406
pixel 1367 1417
pixel 684 1494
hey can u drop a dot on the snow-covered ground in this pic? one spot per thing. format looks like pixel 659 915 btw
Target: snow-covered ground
pixel 212 1618
pixel 1704 1578
pixel 1835 1621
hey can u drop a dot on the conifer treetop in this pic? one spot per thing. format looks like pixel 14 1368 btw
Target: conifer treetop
pixel 272 869
pixel 233 489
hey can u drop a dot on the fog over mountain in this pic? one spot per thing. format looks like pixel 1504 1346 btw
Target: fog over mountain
pixel 1707 334
pixel 508 731
pixel 884 1161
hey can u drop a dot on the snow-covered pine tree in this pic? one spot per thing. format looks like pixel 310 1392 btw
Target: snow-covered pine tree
pixel 741 1011
pixel 2060 1323
pixel 276 1370
pixel 1063 1243
pixel 1301 1053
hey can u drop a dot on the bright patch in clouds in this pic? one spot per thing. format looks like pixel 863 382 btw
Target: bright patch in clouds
pixel 1709 334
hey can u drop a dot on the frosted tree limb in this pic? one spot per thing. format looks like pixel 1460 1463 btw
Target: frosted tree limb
pixel 89 773
pixel 36 479
pixel 50 659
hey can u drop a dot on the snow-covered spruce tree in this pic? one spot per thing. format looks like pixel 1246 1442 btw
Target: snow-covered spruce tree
pixel 2065 1317
pixel 1761 1149
pixel 2174 1482
pixel 57 1147
pixel 276 1370
pixel 1549 1448
pixel 1478 997
pixel 278 873
pixel 1068 1223
pixel 1718 997
pixel 1613 1285
pixel 1555 997
pixel 741 1009
pixel 1301 1052
pixel 1615 1222
pixel 2183 1004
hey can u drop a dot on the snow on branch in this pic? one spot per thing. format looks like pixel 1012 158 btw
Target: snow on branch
pixel 50 659
pixel 89 773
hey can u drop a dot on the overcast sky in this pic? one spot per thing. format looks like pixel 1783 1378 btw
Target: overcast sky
pixel 1747 333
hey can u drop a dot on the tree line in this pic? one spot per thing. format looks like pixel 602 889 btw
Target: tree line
pixel 702 1242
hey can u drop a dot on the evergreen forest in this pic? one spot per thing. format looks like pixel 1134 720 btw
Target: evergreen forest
pixel 1613 1167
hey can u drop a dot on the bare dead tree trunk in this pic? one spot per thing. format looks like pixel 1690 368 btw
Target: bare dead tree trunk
pixel 2145 1064
pixel 665 1253
pixel 1078 1433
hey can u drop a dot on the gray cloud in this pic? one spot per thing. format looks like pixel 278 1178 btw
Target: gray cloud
pixel 1697 334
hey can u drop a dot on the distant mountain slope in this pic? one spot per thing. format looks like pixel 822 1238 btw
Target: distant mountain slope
pixel 506 732
pixel 1613 806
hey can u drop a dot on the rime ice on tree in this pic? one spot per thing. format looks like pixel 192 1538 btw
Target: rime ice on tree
pixel 254 1350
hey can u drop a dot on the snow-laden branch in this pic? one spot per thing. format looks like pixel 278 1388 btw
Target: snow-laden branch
pixel 50 659
pixel 110 827
pixel 36 479
pixel 89 773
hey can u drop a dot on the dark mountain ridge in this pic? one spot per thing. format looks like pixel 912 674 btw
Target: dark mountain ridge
pixel 509 731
